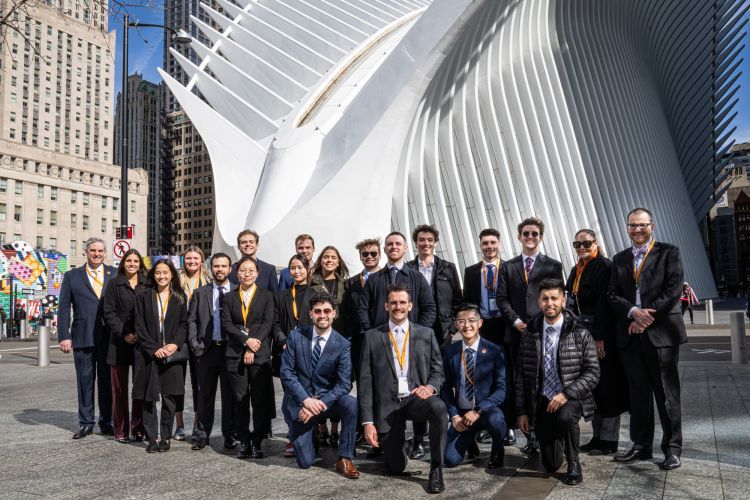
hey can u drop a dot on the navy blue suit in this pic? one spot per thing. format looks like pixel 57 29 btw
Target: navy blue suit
pixel 330 382
pixel 489 394
pixel 90 338
pixel 285 279
pixel 266 276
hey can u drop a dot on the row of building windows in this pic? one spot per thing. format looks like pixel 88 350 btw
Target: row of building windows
pixel 54 193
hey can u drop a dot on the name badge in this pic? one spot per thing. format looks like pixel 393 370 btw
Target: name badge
pixel 403 385
pixel 637 297
pixel 493 305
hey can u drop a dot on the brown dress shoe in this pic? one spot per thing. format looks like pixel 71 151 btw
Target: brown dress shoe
pixel 346 468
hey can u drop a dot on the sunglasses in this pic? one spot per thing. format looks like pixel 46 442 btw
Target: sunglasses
pixel 365 255
pixel 584 244
pixel 327 310
pixel 532 234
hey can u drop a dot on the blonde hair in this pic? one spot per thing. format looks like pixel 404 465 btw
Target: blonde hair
pixel 203 277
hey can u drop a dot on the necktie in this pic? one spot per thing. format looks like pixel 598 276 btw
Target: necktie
pixel 529 265
pixel 394 273
pixel 217 315
pixel 96 282
pixel 469 375
pixel 317 351
pixel 490 282
pixel 549 363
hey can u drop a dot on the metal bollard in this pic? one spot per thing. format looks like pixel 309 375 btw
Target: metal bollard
pixel 710 312
pixel 24 333
pixel 739 350
pixel 42 357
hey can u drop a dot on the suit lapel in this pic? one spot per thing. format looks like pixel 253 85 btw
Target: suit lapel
pixel 649 263
pixel 518 264
pixel 155 314
pixel 328 350
pixel 385 338
pixel 412 353
pixel 479 365
pixel 85 278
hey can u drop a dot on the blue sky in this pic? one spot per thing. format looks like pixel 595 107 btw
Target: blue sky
pixel 146 54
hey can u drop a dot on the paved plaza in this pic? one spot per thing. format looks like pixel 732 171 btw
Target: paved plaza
pixel 39 458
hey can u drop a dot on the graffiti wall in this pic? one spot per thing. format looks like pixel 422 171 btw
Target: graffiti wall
pixel 35 275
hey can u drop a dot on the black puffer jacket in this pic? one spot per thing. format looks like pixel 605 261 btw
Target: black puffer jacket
pixel 576 364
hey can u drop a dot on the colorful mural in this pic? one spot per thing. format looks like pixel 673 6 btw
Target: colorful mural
pixel 36 274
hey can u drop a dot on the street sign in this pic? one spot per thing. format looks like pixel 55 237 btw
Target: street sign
pixel 120 247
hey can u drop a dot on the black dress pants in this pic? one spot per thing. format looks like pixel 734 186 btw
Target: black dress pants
pixel 652 374
pixel 211 371
pixel 250 387
pixel 150 422
pixel 558 433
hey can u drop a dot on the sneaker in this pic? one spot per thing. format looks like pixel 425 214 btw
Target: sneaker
pixel 179 434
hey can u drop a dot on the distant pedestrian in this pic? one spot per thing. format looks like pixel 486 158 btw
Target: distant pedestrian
pixel 688 299
pixel 3 319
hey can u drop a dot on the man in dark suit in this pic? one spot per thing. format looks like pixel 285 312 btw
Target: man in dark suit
pixel 645 287
pixel 400 373
pixel 481 283
pixel 518 294
pixel 248 242
pixel 371 312
pixel 81 292
pixel 316 373
pixel 208 345
pixel 304 245
pixel 474 390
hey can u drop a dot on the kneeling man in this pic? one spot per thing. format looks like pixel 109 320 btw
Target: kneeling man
pixel 473 391
pixel 557 371
pixel 401 370
pixel 316 373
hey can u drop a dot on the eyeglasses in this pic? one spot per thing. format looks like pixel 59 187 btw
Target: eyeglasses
pixel 327 310
pixel 464 322
pixel 247 272
pixel 365 255
pixel 533 234
pixel 639 226
pixel 585 244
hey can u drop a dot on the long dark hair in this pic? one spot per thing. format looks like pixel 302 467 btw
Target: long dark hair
pixel 341 271
pixel 305 263
pixel 141 273
pixel 174 285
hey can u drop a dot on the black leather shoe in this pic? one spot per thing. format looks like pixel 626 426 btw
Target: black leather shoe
pixel 594 443
pixel 245 452
pixel 531 448
pixel 334 440
pixel 255 451
pixel 417 449
pixel 435 484
pixel 374 453
pixel 472 451
pixel 323 435
pixel 671 462
pixel 497 458
pixel 229 443
pixel 633 454
pixel 164 445
pixel 199 444
pixel 574 475
pixel 604 448
pixel 510 438
pixel 483 437
pixel 84 431
pixel 106 430
pixel 152 447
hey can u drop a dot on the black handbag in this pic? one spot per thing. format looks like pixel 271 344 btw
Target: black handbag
pixel 181 355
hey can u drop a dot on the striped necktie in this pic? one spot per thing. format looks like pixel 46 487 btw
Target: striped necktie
pixel 550 377
pixel 317 350
pixel 469 375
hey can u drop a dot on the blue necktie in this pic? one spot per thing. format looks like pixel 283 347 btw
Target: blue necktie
pixel 317 350
pixel 490 283
pixel 469 375
pixel 549 364
pixel 217 316
pixel 394 273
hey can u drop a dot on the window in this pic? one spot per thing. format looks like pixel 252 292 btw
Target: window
pixel 74 197
pixel 39 216
pixel 17 213
pixel 16 236
pixel 12 116
pixel 3 213
pixel 3 185
pixel 132 206
pixel 73 221
pixel 19 187
pixel 53 194
pixel 53 218
pixel 85 222
pixel 53 243
pixel 40 192
pixel 104 202
pixel 2 237
pixel 86 199
pixel 115 203
pixel 104 225
pixel 39 242
pixel 73 247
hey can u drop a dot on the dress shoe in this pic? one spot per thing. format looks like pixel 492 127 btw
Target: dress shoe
pixel 374 453
pixel 591 444
pixel 472 451
pixel 334 440
pixel 634 453
pixel 510 438
pixel 435 484
pixel 164 445
pixel 671 462
pixel 604 448
pixel 323 436
pixel 123 440
pixel 138 438
pixel 229 443
pixel 256 452
pixel 246 451
pixel 289 450
pixel 531 448
pixel 106 430
pixel 359 437
pixel 199 444
pixel 483 437
pixel 497 458
pixel 152 447
pixel 84 431
pixel 179 434
pixel 417 449
pixel 574 475
pixel 346 468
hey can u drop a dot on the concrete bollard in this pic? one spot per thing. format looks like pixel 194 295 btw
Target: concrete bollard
pixel 710 312
pixel 42 358
pixel 739 350
pixel 24 333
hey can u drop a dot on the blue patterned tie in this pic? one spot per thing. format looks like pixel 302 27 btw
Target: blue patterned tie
pixel 394 273
pixel 317 351
pixel 549 364
pixel 490 282
pixel 469 375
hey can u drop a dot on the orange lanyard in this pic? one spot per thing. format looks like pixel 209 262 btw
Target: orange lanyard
pixel 246 309
pixel 294 302
pixel 579 271
pixel 494 278
pixel 94 276
pixel 637 271
pixel 163 311
pixel 400 355
pixel 466 373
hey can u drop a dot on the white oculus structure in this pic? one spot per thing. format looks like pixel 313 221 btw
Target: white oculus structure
pixel 347 118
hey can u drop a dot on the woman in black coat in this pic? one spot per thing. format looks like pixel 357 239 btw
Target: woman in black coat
pixel 587 297
pixel 161 326
pixel 247 320
pixel 118 306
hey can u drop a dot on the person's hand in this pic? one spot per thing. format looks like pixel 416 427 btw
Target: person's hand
pixel 600 349
pixel 305 415
pixel 556 402
pixel 520 326
pixel 371 435
pixel 458 424
pixel 130 338
pixel 423 391
pixel 170 349
pixel 160 353
pixel 314 406
pixel 470 417
pixel 253 344
pixel 634 328
pixel 523 423
pixel 644 317
pixel 66 345
pixel 248 358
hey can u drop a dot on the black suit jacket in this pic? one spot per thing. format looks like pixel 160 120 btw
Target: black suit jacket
pixel 283 313
pixel 377 388
pixel 259 324
pixel 660 285
pixel 349 311
pixel 78 297
pixel 591 299
pixel 266 276
pixel 446 292
pixel 372 311
pixel 201 318
pixel 519 300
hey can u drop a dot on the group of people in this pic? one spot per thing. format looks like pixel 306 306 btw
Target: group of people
pixel 516 348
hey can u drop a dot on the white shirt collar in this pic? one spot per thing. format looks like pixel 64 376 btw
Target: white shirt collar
pixel 533 257
pixel 556 325
pixel 422 264
pixel 495 262
pixel 96 270
pixel 645 245
pixel 398 265
pixel 225 286
pixel 474 346
pixel 392 326
pixel 325 335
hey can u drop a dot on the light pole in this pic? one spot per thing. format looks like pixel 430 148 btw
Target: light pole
pixel 180 37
